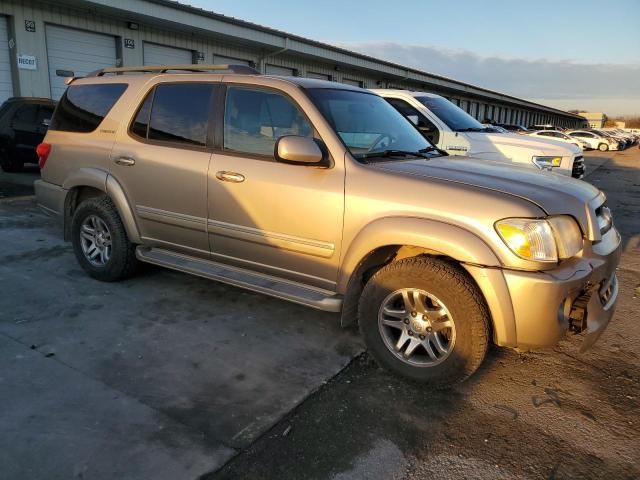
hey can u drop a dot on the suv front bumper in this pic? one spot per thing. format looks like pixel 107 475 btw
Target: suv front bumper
pixel 546 304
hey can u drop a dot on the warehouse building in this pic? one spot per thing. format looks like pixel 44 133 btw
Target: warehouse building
pixel 595 119
pixel 41 42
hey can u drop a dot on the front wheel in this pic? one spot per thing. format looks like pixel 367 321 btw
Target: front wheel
pixel 424 319
pixel 603 147
pixel 100 241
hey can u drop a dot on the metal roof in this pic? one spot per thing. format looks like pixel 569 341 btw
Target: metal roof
pixel 298 44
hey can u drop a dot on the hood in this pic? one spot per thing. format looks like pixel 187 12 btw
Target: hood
pixel 546 147
pixel 555 194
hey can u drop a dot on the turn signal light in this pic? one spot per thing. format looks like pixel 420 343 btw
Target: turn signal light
pixel 43 150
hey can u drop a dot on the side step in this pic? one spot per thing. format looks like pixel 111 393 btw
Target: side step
pixel 257 282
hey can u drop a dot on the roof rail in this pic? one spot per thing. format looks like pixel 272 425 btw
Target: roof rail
pixel 238 69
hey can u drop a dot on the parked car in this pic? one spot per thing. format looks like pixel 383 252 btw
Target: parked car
pixel 623 142
pixel 458 133
pixel 513 128
pixel 597 141
pixel 561 137
pixel 548 126
pixel 23 124
pixel 331 200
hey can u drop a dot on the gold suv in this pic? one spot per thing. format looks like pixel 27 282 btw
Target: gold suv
pixel 324 195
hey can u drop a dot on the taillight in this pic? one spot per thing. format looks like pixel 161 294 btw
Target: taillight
pixel 43 150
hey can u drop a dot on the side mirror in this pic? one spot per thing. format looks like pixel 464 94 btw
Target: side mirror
pixel 300 151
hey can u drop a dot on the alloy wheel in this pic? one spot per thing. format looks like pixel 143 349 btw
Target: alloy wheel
pixel 416 327
pixel 95 239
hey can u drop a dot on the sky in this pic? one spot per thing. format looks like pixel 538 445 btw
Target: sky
pixel 569 54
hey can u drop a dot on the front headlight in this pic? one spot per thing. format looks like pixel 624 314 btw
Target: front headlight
pixel 541 240
pixel 546 163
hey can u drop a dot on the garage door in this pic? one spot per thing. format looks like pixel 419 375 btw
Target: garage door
pixel 155 54
pixel 6 87
pixel 76 51
pixel 222 60
pixel 319 76
pixel 350 81
pixel 277 70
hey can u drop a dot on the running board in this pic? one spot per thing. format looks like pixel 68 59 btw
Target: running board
pixel 257 282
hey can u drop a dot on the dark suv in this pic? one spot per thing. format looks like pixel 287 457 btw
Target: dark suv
pixel 23 125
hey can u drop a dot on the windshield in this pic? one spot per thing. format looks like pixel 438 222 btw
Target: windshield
pixel 454 117
pixel 367 124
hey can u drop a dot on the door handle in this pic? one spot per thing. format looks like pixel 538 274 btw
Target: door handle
pixel 125 161
pixel 232 177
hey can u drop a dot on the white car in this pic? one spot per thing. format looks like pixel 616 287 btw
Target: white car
pixel 561 137
pixel 595 140
pixel 455 131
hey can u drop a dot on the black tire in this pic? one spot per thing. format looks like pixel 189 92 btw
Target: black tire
pixel 603 147
pixel 122 262
pixel 8 164
pixel 464 301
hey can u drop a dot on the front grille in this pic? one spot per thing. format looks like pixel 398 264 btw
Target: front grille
pixel 578 169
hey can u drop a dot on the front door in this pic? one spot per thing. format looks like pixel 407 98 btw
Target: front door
pixel 284 220
pixel 162 161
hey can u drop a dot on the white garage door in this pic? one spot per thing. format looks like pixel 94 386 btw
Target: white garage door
pixel 6 87
pixel 319 76
pixel 222 60
pixel 277 70
pixel 155 54
pixel 76 51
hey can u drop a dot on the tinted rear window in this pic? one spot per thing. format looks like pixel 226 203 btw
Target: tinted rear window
pixel 83 107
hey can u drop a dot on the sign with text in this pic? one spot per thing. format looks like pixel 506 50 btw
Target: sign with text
pixel 27 62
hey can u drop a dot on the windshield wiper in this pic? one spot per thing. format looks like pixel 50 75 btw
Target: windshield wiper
pixel 397 153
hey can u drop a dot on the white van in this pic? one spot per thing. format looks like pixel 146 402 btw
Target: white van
pixel 452 129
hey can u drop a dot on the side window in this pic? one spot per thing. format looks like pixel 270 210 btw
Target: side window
pixel 83 107
pixel 426 126
pixel 45 112
pixel 255 119
pixel 545 134
pixel 180 113
pixel 26 115
pixel 140 125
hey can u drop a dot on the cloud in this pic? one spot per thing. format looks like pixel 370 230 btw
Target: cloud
pixel 613 88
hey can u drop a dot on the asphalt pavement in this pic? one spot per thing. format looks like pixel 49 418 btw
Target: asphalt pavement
pixel 171 376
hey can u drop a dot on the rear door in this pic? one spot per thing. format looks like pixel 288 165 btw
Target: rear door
pixel 161 160
pixel 26 133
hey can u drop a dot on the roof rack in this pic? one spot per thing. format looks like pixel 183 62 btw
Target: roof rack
pixel 238 69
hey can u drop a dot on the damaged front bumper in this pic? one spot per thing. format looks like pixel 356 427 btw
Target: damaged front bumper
pixel 580 295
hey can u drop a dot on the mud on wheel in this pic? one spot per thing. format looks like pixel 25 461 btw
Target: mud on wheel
pixel 426 320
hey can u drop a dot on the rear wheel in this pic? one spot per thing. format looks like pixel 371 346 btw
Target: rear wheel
pixel 8 164
pixel 603 147
pixel 424 319
pixel 100 241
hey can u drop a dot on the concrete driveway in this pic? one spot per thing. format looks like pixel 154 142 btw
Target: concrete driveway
pixel 163 376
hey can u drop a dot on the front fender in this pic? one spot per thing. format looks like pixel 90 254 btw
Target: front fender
pixel 441 238
pixel 465 247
